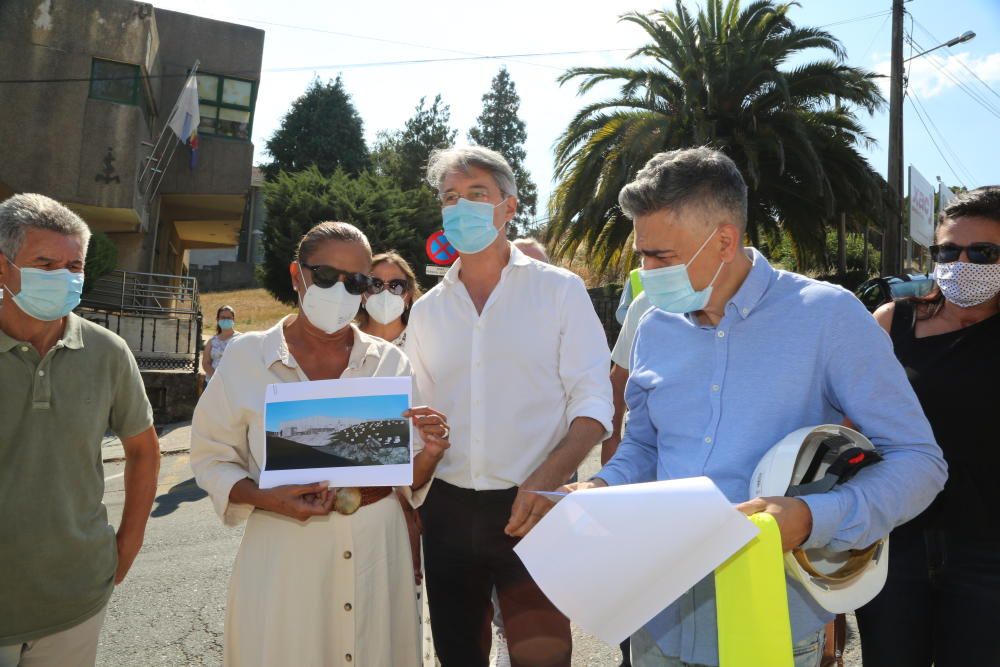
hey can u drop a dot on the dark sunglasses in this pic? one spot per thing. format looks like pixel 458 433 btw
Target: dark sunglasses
pixel 397 286
pixel 978 253
pixel 327 276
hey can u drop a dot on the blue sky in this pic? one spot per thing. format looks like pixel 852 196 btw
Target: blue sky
pixel 364 407
pixel 385 96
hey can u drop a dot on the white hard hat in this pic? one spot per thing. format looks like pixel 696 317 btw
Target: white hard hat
pixel 814 460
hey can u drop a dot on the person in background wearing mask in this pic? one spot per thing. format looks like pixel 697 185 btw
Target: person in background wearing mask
pixel 385 308
pixel 225 332
pixel 940 602
pixel 63 382
pixel 311 587
pixel 734 356
pixel 512 350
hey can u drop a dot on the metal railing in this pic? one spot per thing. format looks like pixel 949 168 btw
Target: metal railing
pixel 158 315
pixel 151 293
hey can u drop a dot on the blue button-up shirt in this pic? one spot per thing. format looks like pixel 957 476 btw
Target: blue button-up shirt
pixel 789 352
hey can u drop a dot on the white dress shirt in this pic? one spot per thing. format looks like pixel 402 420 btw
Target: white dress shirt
pixel 512 379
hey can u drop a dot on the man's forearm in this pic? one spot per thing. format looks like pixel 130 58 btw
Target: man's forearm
pixel 583 435
pixel 142 466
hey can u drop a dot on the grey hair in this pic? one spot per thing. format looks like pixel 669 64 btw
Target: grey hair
pixel 40 212
pixel 529 242
pixel 444 161
pixel 674 179
pixel 330 231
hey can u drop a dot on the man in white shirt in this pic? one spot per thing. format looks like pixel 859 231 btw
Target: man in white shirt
pixel 513 352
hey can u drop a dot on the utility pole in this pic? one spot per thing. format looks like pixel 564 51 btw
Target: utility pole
pixel 893 236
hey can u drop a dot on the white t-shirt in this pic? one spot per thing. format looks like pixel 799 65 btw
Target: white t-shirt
pixel 622 353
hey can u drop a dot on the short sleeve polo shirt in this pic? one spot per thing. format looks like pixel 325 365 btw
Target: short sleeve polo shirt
pixel 58 553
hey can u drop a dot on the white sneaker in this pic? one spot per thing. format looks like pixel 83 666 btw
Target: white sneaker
pixel 502 658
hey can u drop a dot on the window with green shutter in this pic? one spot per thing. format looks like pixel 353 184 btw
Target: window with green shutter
pixel 226 105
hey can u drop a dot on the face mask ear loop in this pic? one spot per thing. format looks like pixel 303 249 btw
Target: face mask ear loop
pixel 698 252
pixel 721 265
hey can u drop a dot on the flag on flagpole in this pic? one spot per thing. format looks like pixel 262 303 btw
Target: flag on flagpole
pixel 186 117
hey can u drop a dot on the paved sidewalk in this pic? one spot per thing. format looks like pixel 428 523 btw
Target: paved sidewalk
pixel 174 439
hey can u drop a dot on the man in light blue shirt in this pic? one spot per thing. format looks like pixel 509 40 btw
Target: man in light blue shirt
pixel 736 355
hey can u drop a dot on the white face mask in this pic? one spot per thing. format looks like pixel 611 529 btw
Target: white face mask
pixel 330 309
pixel 385 307
pixel 967 285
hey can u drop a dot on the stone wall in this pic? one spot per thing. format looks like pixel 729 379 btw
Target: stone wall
pixel 173 394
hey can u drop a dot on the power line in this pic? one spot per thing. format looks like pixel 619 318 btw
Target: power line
pixel 915 99
pixel 979 99
pixel 888 15
pixel 931 137
pixel 960 62
pixel 856 19
pixel 381 63
pixel 370 38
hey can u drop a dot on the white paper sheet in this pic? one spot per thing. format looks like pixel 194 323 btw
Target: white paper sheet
pixel 349 432
pixel 614 557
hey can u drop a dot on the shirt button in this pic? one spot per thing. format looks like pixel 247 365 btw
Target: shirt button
pixel 722 334
pixel 715 387
pixel 348 607
pixel 41 374
pixel 708 440
pixel 348 657
pixel 745 311
pixel 347 555
pixel 24 348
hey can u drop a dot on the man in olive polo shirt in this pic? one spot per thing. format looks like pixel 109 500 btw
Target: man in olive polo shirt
pixel 63 383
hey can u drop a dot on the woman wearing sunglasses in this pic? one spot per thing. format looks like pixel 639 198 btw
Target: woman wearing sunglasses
pixel 942 597
pixel 386 307
pixel 322 576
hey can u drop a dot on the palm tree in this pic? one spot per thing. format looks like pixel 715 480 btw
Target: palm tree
pixel 721 79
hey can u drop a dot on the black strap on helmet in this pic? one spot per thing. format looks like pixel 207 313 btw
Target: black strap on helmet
pixel 847 464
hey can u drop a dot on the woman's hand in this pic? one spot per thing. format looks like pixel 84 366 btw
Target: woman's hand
pixel 433 427
pixel 298 501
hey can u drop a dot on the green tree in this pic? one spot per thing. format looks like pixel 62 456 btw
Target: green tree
pixel 323 129
pixel 392 218
pixel 102 258
pixel 722 78
pixel 402 155
pixel 500 128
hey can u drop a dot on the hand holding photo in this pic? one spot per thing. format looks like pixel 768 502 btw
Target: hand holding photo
pixel 348 432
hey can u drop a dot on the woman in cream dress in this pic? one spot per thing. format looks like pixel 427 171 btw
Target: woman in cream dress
pixel 318 580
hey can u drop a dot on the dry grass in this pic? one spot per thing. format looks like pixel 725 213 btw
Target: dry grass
pixel 256 309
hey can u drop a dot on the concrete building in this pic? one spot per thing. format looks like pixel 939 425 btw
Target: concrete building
pixel 110 72
pixel 234 268
pixel 90 88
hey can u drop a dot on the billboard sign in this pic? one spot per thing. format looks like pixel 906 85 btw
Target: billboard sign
pixel 921 209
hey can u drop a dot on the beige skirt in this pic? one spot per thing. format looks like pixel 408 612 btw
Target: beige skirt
pixel 335 590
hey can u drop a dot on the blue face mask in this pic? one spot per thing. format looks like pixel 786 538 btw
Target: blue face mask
pixel 48 295
pixel 468 225
pixel 226 324
pixel 669 288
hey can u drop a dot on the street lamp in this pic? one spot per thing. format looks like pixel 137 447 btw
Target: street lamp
pixel 892 239
pixel 966 36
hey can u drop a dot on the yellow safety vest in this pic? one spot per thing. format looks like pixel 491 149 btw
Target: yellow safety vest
pixel 751 601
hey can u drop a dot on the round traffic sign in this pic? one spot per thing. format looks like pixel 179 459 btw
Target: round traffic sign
pixel 439 250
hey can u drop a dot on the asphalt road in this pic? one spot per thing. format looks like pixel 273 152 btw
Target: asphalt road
pixel 170 609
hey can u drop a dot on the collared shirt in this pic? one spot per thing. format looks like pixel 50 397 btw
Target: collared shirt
pixel 227 432
pixel 513 378
pixel 57 550
pixel 789 352
pixel 334 589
